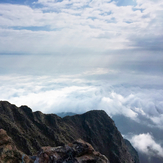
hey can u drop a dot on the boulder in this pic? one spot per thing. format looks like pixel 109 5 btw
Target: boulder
pixel 77 152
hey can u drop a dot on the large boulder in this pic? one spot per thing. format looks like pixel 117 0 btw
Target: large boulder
pixel 78 152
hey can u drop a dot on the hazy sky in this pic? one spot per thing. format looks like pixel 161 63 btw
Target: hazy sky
pixel 73 55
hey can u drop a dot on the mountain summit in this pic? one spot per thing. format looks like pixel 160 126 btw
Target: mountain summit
pixel 32 130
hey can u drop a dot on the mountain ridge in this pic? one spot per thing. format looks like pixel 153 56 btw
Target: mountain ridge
pixel 33 130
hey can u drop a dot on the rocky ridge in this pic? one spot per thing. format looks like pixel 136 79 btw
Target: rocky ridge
pixel 32 130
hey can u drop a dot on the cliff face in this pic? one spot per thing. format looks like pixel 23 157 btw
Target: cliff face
pixel 30 131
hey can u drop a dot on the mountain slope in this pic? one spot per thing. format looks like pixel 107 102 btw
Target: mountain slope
pixel 31 130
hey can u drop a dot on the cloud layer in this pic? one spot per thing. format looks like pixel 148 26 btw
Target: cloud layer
pixel 103 25
pixel 77 93
pixel 146 144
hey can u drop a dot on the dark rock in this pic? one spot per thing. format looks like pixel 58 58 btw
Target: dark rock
pixel 132 151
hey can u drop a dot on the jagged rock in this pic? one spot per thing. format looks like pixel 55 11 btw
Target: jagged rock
pixel 9 152
pixel 78 152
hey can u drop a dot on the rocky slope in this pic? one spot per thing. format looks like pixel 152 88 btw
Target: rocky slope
pixel 8 151
pixel 30 131
pixel 76 152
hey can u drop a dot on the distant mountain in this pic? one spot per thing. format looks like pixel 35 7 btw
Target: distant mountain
pixel 64 114
pixel 32 130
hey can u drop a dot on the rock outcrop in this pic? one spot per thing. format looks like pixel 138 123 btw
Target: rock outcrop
pixel 32 130
pixel 9 152
pixel 78 152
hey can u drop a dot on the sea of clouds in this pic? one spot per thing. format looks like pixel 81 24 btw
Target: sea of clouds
pixel 83 92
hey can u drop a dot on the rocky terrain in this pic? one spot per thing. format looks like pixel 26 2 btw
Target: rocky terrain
pixel 32 130
pixel 8 151
pixel 77 152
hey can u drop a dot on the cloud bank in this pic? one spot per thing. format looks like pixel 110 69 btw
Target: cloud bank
pixel 77 93
pixel 146 144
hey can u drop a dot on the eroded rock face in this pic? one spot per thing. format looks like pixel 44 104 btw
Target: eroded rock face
pixel 9 152
pixel 78 152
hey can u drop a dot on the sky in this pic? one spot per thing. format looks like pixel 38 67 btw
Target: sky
pixel 71 55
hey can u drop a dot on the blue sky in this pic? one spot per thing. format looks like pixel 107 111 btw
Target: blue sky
pixel 77 56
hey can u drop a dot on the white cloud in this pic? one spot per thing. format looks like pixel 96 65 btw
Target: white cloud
pixel 20 15
pixel 145 143
pixel 80 93
pixel 98 24
pixel 115 105
pixel 98 71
